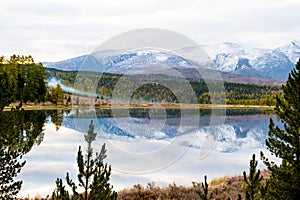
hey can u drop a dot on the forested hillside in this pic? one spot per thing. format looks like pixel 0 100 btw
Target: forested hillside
pixel 236 93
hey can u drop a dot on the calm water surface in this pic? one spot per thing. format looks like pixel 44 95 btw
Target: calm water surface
pixel 143 145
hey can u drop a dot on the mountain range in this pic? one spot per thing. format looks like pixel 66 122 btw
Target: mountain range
pixel 235 62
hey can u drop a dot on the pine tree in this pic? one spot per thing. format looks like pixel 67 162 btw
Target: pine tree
pixel 10 167
pixel 285 144
pixel 93 175
pixel 5 92
pixel 60 193
pixel 203 195
pixel 254 187
pixel 57 95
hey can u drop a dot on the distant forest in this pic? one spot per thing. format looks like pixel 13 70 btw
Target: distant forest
pixel 23 80
pixel 104 85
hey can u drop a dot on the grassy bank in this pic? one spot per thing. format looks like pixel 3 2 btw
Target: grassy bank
pixel 119 105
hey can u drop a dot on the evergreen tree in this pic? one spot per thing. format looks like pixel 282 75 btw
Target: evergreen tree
pixel 93 175
pixel 69 101
pixel 9 169
pixel 254 187
pixel 5 92
pixel 19 131
pixel 57 95
pixel 24 78
pixel 60 193
pixel 57 117
pixel 203 195
pixel 285 144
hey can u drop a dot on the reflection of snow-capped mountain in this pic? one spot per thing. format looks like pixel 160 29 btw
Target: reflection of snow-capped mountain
pixel 230 137
pixel 247 132
pixel 226 57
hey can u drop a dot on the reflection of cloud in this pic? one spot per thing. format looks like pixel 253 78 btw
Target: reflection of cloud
pixel 57 155
pixel 56 30
pixel 52 159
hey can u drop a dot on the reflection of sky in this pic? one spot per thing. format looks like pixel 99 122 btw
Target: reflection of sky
pixel 168 160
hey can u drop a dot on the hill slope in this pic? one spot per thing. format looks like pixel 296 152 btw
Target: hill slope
pixel 264 66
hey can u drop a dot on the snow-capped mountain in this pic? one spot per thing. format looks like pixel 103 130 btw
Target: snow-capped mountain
pixel 291 50
pixel 226 57
pixel 263 63
pixel 72 64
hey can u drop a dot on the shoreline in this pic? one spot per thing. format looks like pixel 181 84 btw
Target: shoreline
pixel 139 106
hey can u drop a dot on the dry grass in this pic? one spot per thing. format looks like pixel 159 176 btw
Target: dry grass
pixel 36 197
pixel 220 188
pixel 217 181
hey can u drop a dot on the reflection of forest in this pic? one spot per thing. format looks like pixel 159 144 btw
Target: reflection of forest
pixel 57 117
pixel 171 112
pixel 19 131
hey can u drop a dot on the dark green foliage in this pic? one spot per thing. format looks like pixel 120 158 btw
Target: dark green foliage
pixel 60 192
pixel 9 169
pixel 19 131
pixel 21 80
pixel 239 197
pixel 250 94
pixel 68 100
pixel 104 85
pixel 68 77
pixel 56 95
pixel 202 194
pixel 93 174
pixel 284 182
pixel 5 92
pixel 57 117
pixel 254 187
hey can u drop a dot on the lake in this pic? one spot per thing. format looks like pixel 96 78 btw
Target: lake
pixel 146 145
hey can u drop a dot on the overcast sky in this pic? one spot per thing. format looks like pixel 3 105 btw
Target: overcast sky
pixel 53 30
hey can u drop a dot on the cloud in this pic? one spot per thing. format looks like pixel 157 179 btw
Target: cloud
pixel 55 30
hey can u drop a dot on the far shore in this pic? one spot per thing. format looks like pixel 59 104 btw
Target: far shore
pixel 125 105
pixel 82 102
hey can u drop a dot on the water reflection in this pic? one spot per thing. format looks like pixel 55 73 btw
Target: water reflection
pixel 19 131
pixel 57 117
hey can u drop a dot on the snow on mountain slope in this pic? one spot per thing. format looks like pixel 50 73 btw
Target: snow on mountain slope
pixel 72 64
pixel 291 50
pixel 263 63
pixel 227 57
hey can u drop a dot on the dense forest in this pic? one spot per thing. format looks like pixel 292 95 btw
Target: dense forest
pixel 22 80
pixel 104 85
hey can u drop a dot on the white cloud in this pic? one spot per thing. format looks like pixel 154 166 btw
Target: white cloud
pixel 55 30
